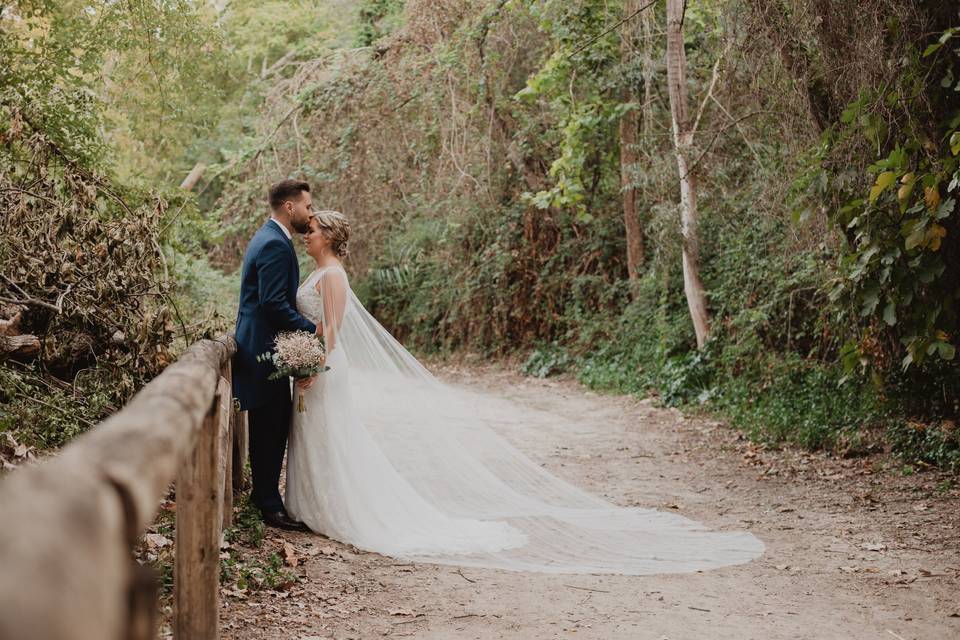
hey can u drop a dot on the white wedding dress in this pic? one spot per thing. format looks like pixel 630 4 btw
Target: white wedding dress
pixel 389 459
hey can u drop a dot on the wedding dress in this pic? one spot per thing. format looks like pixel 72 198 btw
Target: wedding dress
pixel 391 460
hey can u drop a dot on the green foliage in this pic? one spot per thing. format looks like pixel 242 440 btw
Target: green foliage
pixel 48 57
pixel 81 242
pixel 102 80
pixel 254 574
pixel 47 415
pixel 798 402
pixel 743 372
pixel 377 18
pixel 686 378
pixel 258 33
pixel 546 361
pixel 587 118
pixel 240 567
pixel 244 567
pixel 930 444
pixel 248 527
pixel 901 256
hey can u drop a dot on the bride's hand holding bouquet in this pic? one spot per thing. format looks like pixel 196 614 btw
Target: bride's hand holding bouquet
pixel 299 355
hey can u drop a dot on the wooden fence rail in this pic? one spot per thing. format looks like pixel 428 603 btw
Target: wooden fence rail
pixel 68 524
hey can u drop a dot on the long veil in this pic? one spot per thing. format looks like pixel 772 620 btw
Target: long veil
pixel 444 442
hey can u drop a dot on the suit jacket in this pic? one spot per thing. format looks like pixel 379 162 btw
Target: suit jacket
pixel 268 305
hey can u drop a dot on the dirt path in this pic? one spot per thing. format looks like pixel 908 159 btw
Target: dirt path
pixel 854 548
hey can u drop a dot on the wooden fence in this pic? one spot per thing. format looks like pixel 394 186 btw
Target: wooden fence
pixel 68 524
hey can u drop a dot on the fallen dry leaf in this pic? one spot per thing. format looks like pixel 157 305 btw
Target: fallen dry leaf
pixel 290 555
pixel 235 592
pixel 157 540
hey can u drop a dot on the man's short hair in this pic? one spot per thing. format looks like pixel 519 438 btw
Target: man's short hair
pixel 286 190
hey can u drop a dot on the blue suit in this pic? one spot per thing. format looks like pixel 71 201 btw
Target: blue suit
pixel 268 298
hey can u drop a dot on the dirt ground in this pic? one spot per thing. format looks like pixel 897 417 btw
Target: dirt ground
pixel 854 548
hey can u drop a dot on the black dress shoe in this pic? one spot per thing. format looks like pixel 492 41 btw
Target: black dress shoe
pixel 282 520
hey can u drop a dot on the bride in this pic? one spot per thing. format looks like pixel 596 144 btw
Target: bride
pixel 391 460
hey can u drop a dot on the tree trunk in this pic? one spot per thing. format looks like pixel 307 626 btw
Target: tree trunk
pixel 683 142
pixel 193 177
pixel 647 17
pixel 629 156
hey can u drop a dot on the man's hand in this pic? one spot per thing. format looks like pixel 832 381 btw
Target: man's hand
pixel 305 383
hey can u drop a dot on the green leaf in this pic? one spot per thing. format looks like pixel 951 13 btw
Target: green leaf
pixel 932 270
pixel 930 50
pixel 850 355
pixel 915 232
pixel 849 114
pixel 528 93
pixel 947 81
pixel 890 314
pixel 946 208
pixel 946 350
pixel 871 297
pixel 884 180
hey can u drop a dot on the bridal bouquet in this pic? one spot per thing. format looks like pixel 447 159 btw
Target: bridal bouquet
pixel 296 354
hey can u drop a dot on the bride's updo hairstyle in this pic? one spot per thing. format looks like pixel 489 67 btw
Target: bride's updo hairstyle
pixel 336 228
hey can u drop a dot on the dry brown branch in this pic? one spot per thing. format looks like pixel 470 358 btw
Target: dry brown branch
pixel 192 178
pixel 22 346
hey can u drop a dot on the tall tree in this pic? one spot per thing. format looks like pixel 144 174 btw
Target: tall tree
pixel 647 18
pixel 629 149
pixel 683 134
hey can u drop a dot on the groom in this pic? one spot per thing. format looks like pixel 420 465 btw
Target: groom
pixel 268 289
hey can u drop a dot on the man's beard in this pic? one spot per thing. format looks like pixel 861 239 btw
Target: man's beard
pixel 300 226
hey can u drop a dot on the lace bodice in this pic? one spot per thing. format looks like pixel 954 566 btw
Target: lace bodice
pixel 309 300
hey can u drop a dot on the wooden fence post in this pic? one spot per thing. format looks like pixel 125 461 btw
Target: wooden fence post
pixel 228 405
pixel 197 563
pixel 143 619
pixel 225 454
pixel 241 443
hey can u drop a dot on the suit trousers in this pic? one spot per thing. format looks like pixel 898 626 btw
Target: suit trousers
pixel 269 430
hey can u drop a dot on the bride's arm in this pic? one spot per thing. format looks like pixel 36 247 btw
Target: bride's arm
pixel 332 286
